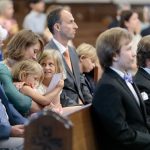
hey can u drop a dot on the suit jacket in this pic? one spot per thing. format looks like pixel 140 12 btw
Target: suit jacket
pixel 142 79
pixel 14 116
pixel 146 31
pixel 120 122
pixel 72 90
pixel 114 23
pixel 86 88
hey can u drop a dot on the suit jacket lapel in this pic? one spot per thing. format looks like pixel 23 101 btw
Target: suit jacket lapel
pixel 54 46
pixel 75 73
pixel 123 83
pixel 142 106
pixel 145 74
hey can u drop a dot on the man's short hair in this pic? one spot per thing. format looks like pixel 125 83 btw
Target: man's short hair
pixel 52 18
pixel 143 51
pixel 109 43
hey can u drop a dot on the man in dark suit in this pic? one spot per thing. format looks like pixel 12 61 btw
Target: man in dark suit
pixel 11 125
pixel 118 110
pixel 142 77
pixel 63 27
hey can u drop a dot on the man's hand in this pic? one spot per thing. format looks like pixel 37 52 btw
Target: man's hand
pixel 17 131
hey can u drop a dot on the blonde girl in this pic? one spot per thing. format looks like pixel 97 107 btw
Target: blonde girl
pixel 30 73
pixel 88 61
pixel 87 56
pixel 51 61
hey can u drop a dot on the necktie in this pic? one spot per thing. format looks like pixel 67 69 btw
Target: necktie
pixel 67 58
pixel 128 77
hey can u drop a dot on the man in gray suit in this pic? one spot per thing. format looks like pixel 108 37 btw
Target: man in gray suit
pixel 63 27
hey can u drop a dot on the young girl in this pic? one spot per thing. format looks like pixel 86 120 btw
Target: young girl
pixel 28 74
pixel 87 61
pixel 52 64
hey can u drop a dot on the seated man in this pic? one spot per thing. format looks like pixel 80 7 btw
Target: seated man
pixel 142 77
pixel 118 110
pixel 11 125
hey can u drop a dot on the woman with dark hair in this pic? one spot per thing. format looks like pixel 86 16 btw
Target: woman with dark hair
pixel 130 21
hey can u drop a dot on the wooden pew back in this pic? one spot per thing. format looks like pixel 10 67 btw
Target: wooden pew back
pixel 50 131
pixel 83 130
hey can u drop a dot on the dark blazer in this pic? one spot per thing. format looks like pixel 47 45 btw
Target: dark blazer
pixel 142 79
pixel 120 122
pixel 86 89
pixel 71 91
pixel 114 23
pixel 146 31
pixel 14 116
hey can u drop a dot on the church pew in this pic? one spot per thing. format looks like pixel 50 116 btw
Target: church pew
pixel 72 131
pixel 83 130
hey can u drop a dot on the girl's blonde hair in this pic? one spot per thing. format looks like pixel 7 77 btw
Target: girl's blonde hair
pixel 88 51
pixel 54 55
pixel 27 67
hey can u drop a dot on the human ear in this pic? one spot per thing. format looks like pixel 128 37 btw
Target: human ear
pixel 57 26
pixel 126 23
pixel 115 57
pixel 82 57
pixel 22 76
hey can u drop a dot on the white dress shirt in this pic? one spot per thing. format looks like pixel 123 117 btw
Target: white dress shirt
pixel 121 74
pixel 61 48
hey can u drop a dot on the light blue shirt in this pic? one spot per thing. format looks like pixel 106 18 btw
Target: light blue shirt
pixel 35 21
pixel 3 114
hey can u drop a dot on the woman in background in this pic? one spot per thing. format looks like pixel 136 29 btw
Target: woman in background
pixel 130 21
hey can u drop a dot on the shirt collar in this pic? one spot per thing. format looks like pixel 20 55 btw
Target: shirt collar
pixel 61 48
pixel 147 70
pixel 120 73
pixel 33 12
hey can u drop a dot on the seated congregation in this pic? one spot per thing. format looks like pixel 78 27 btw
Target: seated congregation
pixel 50 99
pixel 28 70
